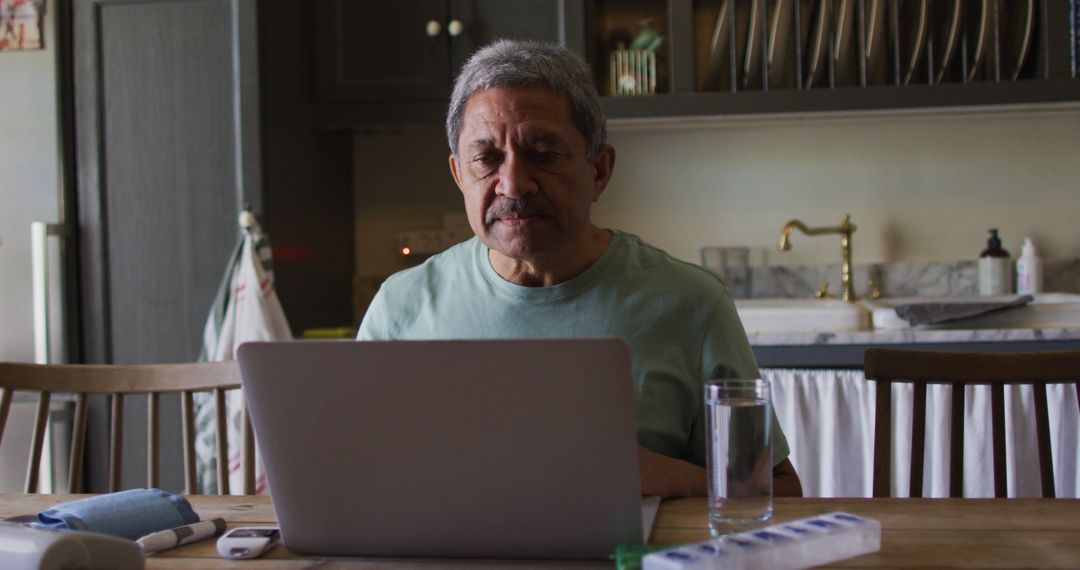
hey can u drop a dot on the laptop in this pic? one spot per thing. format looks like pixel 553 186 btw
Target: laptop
pixel 462 449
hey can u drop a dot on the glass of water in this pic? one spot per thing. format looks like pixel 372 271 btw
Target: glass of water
pixel 738 416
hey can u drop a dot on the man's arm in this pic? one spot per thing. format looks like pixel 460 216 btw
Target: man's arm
pixel 785 481
pixel 669 477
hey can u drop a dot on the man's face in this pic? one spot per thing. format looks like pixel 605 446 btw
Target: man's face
pixel 522 169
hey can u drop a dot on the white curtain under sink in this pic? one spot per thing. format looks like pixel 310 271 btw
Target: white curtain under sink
pixel 828 418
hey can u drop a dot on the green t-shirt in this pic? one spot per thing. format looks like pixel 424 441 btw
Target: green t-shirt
pixel 677 318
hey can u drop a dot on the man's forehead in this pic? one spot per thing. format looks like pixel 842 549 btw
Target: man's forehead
pixel 531 136
pixel 540 112
pixel 515 104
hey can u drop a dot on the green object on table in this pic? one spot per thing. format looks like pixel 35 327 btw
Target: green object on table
pixel 329 332
pixel 628 556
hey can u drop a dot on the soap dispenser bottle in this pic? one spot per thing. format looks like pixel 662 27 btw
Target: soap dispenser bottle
pixel 1029 275
pixel 995 269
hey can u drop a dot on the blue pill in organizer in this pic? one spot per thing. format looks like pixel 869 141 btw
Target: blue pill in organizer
pixel 847 517
pixel 678 555
pixel 798 529
pixel 712 549
pixel 770 536
pixel 743 543
pixel 823 523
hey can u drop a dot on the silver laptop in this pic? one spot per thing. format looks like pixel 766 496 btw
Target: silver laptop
pixel 493 449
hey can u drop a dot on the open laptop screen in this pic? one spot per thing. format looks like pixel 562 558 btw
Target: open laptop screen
pixel 502 448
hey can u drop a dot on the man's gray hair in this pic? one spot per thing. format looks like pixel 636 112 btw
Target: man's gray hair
pixel 514 63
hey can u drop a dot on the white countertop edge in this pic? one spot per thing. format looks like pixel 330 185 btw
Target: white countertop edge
pixel 910 336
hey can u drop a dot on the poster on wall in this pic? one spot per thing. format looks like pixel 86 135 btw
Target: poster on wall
pixel 21 24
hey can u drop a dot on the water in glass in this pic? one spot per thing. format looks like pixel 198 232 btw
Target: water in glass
pixel 739 461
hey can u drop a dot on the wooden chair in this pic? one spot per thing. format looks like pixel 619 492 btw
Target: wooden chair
pixel 960 369
pixel 117 381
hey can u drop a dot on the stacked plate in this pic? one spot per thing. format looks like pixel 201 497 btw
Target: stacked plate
pixel 806 44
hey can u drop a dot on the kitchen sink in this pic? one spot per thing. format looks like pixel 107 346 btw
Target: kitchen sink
pixel 1048 310
pixel 801 315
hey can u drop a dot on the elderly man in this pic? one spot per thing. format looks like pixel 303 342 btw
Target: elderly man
pixel 527 149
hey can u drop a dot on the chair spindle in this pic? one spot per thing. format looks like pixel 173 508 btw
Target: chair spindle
pixel 5 405
pixel 883 440
pixel 997 426
pixel 41 421
pixel 249 454
pixel 187 413
pixel 918 440
pixel 956 442
pixel 153 424
pixel 116 443
pixel 78 444
pixel 222 442
pixel 1042 434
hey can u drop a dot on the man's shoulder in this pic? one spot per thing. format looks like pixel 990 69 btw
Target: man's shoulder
pixel 446 265
pixel 657 263
pixel 406 300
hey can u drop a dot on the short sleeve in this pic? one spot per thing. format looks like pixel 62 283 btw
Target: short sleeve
pixel 726 353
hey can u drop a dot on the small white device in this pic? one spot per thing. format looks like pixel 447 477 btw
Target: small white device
pixel 247 542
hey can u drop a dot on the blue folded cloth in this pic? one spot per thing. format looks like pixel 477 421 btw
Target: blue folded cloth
pixel 127 514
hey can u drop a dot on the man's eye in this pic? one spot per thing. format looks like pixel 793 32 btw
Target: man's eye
pixel 546 156
pixel 488 159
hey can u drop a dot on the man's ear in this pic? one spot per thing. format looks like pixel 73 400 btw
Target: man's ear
pixel 454 170
pixel 605 166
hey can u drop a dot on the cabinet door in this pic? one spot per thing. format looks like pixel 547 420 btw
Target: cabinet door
pixel 487 20
pixel 382 51
pixel 166 151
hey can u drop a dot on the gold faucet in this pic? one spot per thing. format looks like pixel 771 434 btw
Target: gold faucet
pixel 845 229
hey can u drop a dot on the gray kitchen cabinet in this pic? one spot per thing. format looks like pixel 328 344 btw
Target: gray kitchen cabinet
pixel 396 61
pixel 180 113
pixel 394 73
pixel 166 148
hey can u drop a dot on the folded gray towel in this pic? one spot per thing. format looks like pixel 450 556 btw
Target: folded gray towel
pixel 935 313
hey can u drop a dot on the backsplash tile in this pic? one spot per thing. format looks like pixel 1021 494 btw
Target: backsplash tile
pixel 947 278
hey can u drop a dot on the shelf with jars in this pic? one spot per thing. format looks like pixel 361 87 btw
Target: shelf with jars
pixel 725 58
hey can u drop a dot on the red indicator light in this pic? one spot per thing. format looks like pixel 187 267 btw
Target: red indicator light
pixel 405 250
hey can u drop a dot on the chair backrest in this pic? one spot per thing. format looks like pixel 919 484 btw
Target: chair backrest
pixel 958 370
pixel 117 381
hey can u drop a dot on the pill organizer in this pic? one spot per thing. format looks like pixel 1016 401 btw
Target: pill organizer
pixel 797 544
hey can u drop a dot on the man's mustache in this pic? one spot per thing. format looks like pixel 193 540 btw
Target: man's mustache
pixel 503 207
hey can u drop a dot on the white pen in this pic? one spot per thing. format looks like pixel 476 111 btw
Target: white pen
pixel 157 541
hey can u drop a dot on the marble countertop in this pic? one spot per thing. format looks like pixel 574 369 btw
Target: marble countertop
pixel 910 336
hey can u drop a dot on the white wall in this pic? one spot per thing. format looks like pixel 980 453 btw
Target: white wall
pixel 29 181
pixel 918 188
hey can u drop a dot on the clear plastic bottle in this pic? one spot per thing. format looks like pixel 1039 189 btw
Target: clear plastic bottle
pixel 995 268
pixel 1029 274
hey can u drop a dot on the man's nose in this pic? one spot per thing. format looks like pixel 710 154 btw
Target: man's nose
pixel 515 177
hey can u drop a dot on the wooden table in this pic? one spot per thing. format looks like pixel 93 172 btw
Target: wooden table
pixel 916 533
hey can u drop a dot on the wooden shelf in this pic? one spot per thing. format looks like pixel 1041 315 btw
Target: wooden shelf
pixel 682 106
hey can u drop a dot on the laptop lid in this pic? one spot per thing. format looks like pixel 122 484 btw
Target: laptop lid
pixel 490 448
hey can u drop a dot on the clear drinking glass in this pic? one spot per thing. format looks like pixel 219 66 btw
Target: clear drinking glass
pixel 738 417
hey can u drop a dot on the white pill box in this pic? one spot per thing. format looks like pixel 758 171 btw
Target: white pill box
pixel 797 544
